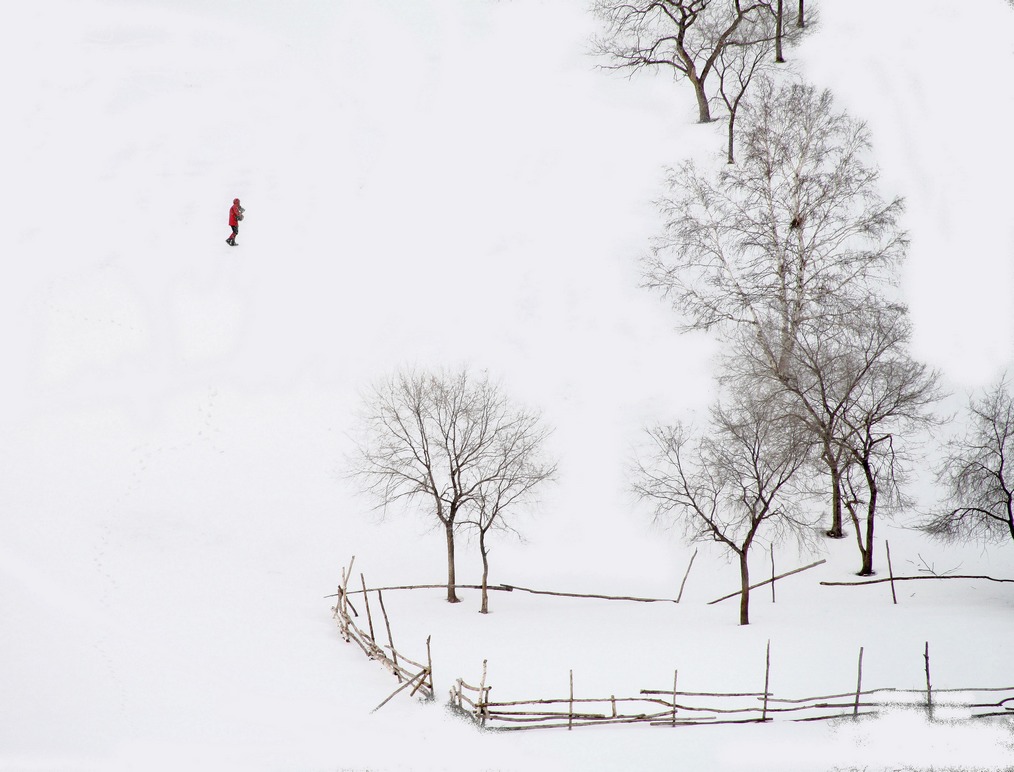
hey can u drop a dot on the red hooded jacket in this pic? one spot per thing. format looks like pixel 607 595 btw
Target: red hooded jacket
pixel 235 213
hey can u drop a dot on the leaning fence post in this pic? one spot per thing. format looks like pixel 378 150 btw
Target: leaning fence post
pixel 684 582
pixel 859 684
pixel 929 688
pixel 890 571
pixel 767 677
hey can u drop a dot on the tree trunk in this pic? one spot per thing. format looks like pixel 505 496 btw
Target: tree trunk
pixel 1010 515
pixel 871 511
pixel 836 531
pixel 732 129
pixel 800 19
pixel 485 572
pixel 451 581
pixel 703 106
pixel 778 34
pixel 744 596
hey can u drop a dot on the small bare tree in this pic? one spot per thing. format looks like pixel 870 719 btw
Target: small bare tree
pixel 520 470
pixel 684 36
pixel 727 484
pixel 440 438
pixel 741 59
pixel 978 473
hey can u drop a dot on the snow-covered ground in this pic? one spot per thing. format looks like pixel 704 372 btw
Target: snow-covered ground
pixel 431 183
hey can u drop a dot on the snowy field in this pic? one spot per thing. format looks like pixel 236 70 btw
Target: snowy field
pixel 430 183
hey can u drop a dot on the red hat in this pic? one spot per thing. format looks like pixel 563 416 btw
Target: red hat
pixel 235 201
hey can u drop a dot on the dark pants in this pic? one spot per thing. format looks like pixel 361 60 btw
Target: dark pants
pixel 235 232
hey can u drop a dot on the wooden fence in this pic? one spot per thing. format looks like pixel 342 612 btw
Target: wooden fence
pixel 408 672
pixel 656 707
pixel 673 707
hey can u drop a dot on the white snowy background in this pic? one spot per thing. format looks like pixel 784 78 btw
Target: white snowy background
pixel 433 183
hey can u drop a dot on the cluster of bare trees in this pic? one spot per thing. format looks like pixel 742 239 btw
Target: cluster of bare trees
pixel 456 443
pixel 790 254
pixel 717 46
pixel 790 257
pixel 977 472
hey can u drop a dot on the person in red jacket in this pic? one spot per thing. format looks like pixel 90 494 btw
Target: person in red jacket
pixel 235 215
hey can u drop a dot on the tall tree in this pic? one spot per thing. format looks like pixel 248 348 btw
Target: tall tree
pixel 442 439
pixel 794 233
pixel 978 472
pixel 728 483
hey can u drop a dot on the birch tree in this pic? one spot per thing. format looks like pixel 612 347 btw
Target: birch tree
pixel 795 234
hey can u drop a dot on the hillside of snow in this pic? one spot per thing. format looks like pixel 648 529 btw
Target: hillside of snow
pixel 433 184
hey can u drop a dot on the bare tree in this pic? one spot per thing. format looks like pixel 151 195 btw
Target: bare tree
pixel 792 235
pixel 889 403
pixel 520 470
pixel 977 472
pixel 684 36
pixel 857 390
pixel 727 484
pixel 439 438
pixel 740 60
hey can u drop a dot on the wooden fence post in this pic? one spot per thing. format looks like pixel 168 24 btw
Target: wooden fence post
pixel 675 673
pixel 859 684
pixel 429 666
pixel 369 616
pixel 772 573
pixel 390 638
pixel 929 688
pixel 346 575
pixel 480 707
pixel 767 677
pixel 570 709
pixel 890 571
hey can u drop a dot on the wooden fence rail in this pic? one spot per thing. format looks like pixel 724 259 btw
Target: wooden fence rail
pixel 674 707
